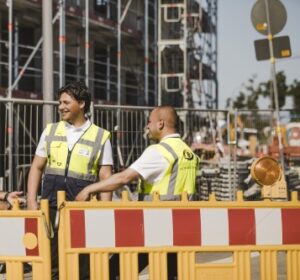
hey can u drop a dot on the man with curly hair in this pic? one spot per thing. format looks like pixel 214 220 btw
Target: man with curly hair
pixel 71 154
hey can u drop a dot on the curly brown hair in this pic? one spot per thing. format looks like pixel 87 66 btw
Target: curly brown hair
pixel 79 91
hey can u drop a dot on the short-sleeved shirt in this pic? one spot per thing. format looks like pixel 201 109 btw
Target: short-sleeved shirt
pixel 73 135
pixel 152 165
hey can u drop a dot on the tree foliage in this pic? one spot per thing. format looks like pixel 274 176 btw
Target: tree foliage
pixel 251 92
pixel 294 90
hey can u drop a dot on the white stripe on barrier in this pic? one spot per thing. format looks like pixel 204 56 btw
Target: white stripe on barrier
pixel 100 224
pixel 12 233
pixel 268 219
pixel 158 227
pixel 214 226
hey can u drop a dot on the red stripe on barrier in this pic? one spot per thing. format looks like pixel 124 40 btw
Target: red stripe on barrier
pixel 186 227
pixel 290 226
pixel 77 224
pixel 241 227
pixel 31 226
pixel 129 228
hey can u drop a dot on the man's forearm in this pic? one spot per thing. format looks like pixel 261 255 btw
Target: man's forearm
pixel 104 173
pixel 110 184
pixel 34 179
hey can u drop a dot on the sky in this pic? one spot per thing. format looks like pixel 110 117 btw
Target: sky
pixel 236 55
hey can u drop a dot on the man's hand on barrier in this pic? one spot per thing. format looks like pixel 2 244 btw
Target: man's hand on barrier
pixel 9 197
pixel 15 195
pixel 32 204
pixel 83 195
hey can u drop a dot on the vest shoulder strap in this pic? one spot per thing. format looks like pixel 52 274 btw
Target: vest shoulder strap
pixel 169 149
pixel 51 133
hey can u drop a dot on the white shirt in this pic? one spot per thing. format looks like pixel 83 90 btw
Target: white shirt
pixel 152 165
pixel 73 135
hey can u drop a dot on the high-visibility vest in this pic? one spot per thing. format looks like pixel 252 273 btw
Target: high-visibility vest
pixel 180 175
pixel 82 161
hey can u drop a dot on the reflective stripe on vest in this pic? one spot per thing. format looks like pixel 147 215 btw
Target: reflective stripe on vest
pixel 174 172
pixel 85 165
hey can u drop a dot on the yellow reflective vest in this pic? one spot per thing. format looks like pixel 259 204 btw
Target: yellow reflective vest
pixel 82 161
pixel 180 175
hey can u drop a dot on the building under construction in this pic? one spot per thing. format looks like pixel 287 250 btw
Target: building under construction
pixel 129 52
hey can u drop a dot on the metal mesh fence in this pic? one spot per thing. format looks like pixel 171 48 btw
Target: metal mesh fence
pixel 226 142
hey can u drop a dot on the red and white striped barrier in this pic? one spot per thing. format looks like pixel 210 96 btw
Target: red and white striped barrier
pixel 18 236
pixel 183 227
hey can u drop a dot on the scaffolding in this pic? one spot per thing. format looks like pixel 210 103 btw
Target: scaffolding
pixel 115 46
pixel 89 51
pixel 187 60
pixel 187 53
pixel 115 56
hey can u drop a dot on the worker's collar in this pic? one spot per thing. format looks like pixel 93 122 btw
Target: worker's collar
pixel 174 135
pixel 83 127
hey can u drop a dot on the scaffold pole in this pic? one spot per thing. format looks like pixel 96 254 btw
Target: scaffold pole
pixel 62 42
pixel 47 60
pixel 9 95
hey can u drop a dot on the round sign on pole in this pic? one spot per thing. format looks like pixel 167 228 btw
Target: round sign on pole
pixel 277 12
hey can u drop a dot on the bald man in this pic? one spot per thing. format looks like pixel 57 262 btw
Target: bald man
pixel 168 167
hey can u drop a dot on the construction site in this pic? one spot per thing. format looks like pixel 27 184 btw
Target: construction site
pixel 160 53
pixel 144 61
pixel 134 55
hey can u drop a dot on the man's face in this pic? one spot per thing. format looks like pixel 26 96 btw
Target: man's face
pixel 153 125
pixel 69 108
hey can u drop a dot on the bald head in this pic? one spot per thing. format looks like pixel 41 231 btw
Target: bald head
pixel 168 115
pixel 162 122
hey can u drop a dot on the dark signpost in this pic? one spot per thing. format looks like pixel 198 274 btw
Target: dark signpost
pixel 269 18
